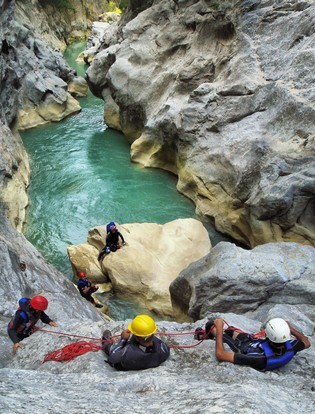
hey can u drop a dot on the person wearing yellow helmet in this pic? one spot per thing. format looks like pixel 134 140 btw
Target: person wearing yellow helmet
pixel 138 347
pixel 264 354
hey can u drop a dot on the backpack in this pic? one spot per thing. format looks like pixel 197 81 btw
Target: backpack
pixel 109 225
pixel 24 307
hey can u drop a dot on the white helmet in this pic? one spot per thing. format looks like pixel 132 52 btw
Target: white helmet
pixel 277 330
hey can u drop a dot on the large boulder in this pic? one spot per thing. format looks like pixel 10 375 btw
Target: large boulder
pixel 143 269
pixel 232 277
pixel 198 90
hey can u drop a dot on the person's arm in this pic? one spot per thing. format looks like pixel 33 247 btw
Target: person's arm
pixel 84 289
pixel 221 354
pixel 17 321
pixel 300 336
pixel 122 238
pixel 46 319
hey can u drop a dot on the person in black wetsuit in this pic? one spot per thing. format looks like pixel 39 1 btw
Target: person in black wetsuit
pixel 112 241
pixel 28 314
pixel 264 354
pixel 138 348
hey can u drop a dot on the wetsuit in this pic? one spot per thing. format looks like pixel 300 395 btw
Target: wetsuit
pixel 254 352
pixel 112 240
pixel 23 323
pixel 130 355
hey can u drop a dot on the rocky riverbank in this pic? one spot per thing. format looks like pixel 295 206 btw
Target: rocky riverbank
pixel 221 94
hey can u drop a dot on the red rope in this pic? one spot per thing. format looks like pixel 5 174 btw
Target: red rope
pixel 75 336
pixel 68 352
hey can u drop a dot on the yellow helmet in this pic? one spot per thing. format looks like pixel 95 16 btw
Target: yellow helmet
pixel 142 325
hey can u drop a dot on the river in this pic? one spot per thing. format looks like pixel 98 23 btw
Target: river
pixel 81 177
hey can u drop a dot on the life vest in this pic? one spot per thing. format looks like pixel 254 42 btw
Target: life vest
pixel 276 361
pixel 262 348
pixel 83 283
pixel 30 319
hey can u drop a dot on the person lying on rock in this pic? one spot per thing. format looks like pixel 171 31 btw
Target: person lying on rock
pixel 23 323
pixel 86 289
pixel 264 354
pixel 138 348
pixel 112 241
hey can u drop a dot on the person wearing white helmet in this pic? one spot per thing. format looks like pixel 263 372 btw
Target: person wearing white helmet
pixel 264 354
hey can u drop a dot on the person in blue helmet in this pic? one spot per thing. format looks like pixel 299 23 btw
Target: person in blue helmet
pixel 112 241
pixel 23 323
pixel 264 354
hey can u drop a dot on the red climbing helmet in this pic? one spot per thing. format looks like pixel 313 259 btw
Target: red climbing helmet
pixel 81 275
pixel 39 303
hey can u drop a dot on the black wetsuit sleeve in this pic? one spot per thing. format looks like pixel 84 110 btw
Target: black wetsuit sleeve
pixel 121 236
pixel 297 346
pixel 45 318
pixel 117 353
pixel 254 361
pixel 12 330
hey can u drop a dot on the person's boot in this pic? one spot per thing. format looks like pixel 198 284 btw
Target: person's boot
pixel 208 328
pixel 199 333
pixel 107 335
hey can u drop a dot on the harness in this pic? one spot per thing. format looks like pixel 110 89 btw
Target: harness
pixel 262 348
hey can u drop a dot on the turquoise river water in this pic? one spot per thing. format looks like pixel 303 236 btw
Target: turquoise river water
pixel 81 176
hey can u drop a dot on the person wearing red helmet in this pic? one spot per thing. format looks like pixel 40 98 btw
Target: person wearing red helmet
pixel 86 289
pixel 23 323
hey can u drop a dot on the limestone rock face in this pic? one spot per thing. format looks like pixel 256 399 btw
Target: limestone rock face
pixel 14 173
pixel 222 94
pixel 153 257
pixel 59 24
pixel 282 273
pixel 35 77
pixel 191 380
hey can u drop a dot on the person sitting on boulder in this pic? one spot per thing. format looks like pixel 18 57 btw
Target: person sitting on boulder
pixel 86 289
pixel 23 323
pixel 138 348
pixel 264 354
pixel 112 240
